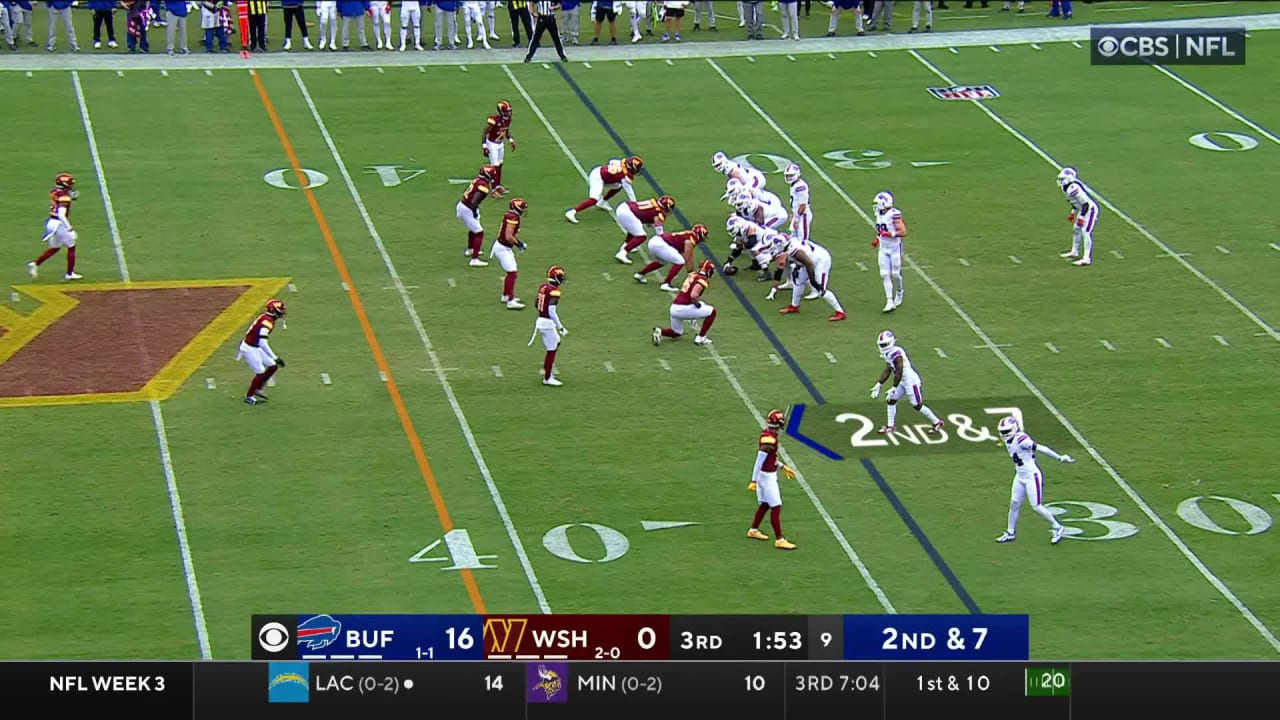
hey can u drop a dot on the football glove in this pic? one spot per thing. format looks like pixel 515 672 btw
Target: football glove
pixel 280 361
pixel 520 244
pixel 1066 459
pixel 1071 218
pixel 875 391
pixel 484 151
pixel 791 474
pixel 513 143
pixel 563 330
pixel 875 242
pixel 751 486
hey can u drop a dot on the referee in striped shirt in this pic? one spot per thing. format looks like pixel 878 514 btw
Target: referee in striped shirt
pixel 544 14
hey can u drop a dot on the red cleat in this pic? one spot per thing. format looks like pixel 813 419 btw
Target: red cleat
pixel 790 309
pixel 836 317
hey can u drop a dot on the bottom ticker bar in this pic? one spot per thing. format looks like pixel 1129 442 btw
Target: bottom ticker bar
pixel 801 690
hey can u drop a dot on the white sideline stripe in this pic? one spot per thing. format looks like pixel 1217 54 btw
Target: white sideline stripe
pixel 1257 320
pixel 436 365
pixel 1079 437
pixel 1216 103
pixel 157 415
pixel 741 393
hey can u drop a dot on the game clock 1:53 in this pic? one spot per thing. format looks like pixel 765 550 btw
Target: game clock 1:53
pixel 779 640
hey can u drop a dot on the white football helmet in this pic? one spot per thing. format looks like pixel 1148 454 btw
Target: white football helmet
pixel 1066 176
pixel 792 173
pixel 886 341
pixel 721 162
pixel 1008 427
pixel 744 203
pixel 884 200
pixel 736 225
pixel 732 189
pixel 781 242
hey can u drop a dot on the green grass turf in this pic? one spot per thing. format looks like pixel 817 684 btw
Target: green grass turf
pixel 315 503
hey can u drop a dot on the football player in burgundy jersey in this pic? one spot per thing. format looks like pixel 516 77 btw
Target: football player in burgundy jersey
pixel 257 352
pixel 674 249
pixel 497 132
pixel 58 232
pixel 764 481
pixel 505 248
pixel 615 176
pixel 548 325
pixel 468 210
pixel 688 305
pixel 634 215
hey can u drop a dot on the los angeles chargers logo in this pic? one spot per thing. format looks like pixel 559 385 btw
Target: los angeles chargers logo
pixel 319 632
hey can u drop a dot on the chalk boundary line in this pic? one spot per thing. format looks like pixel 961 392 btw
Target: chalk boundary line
pixel 699 50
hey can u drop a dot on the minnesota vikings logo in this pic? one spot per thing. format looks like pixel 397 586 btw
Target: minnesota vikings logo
pixel 548 681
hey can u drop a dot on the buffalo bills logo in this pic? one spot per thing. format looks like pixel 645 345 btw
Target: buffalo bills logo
pixel 319 632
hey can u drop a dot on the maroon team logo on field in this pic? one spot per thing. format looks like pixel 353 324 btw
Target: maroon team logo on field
pixel 965 92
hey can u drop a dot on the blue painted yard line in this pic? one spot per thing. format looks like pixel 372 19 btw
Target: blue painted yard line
pixel 773 339
pixel 883 484
pixel 923 539
pixel 793 429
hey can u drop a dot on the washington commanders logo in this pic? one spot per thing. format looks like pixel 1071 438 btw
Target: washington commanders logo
pixel 504 636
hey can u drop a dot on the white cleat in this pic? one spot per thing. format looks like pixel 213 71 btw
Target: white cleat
pixel 702 340
pixel 635 38
pixel 1058 532
pixel 1069 254
pixel 604 206
pixel 888 306
pixel 813 295
pixel 1007 537
pixel 477 262
pixel 1082 262
pixel 552 381
pixel 571 215
pixel 787 285
pixel 72 276
pixel 33 269
pixel 515 304
pixel 485 43
pixel 379 43
pixel 657 336
pixel 493 35
pixel 897 301
pixel 322 43
pixel 403 47
pixel 621 256
pixel 638 278
pixel 418 47
pixel 886 430
pixel 288 45
pixel 470 43
pixel 306 43
pixel 773 292
pixel 667 287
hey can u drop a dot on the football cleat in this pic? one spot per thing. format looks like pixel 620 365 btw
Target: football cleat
pixel 515 304
pixel 888 306
pixel 1069 254
pixel 754 533
pixel 621 256
pixel 1058 532
pixel 784 544
pixel 640 278
pixel 937 428
pixel 251 400
pixel 814 295
pixel 72 276
pixel 667 287
pixel 477 262
pixel 790 309
pixel 33 269
pixel 571 215
pixel 1082 262
pixel 886 430
pixel 1007 537
pixel 552 381
pixel 897 301
pixel 657 336
pixel 701 340
pixel 837 316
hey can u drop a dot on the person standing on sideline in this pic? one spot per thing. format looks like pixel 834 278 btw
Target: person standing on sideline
pixel 518 12
pixel 606 11
pixel 103 14
pixel 212 26
pixel 176 17
pixel 327 20
pixel 294 12
pixel 790 19
pixel 570 9
pixel 884 9
pixel 20 21
pixel 915 16
pixel 707 8
pixel 136 25
pixel 755 19
pixel 257 25
pixel 8 30
pixel 672 16
pixel 544 16
pixel 353 11
pixel 446 10
pixel 61 9
pixel 410 17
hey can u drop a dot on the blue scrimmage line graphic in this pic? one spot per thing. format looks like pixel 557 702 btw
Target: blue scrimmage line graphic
pixel 800 374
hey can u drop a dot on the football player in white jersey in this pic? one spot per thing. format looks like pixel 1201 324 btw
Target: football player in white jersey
pixel 380 14
pixel 752 178
pixel 1028 481
pixel 1084 215
pixel 814 272
pixel 905 383
pixel 765 209
pixel 890 231
pixel 801 210
pixel 411 17
pixel 750 238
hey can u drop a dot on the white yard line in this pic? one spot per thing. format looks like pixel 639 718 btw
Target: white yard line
pixel 729 375
pixel 1079 437
pixel 1031 145
pixel 1218 104
pixel 157 415
pixel 436 365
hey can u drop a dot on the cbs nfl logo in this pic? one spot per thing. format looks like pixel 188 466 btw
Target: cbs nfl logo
pixel 1160 46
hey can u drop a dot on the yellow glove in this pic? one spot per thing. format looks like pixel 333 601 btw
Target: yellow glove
pixel 791 474
pixel 751 486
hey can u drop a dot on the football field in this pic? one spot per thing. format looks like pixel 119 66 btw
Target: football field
pixel 410 461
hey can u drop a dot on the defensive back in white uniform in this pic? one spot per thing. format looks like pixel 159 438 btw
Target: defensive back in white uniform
pixel 890 232
pixel 905 383
pixel 1084 215
pixel 1028 481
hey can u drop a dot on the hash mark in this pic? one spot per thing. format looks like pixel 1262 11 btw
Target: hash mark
pixel 586 65
pixel 1052 348
pixel 1222 341
pixel 964 262
pixel 792 58
pixel 608 366
pixel 830 358
pixel 662 363
pixel 749 59
pixel 209 383
pixel 336 71
pixel 628 63
pixel 861 266
pixel 1107 344
pixel 1015 259
pixel 831 55
pixel 29 74
pixel 271 382
pixel 1118 255
pixel 545 66
pixel 1163 343
pixel 421 69
pixel 775 359
pixel 941 353
pixel 1077 44
pixel 164 73
pixel 463 68
pixel 497 371
pixel 1034 46
pixel 1275 246
pixel 324 379
pixel 606 276
pixel 995 48
pixel 1223 250
pixel 380 70
pixel 872 54
pixel 346 287
pixel 119 73
pixel 292 287
pixel 452 282
pixel 382 376
pixel 14 297
pixel 954 51
pixel 208 73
